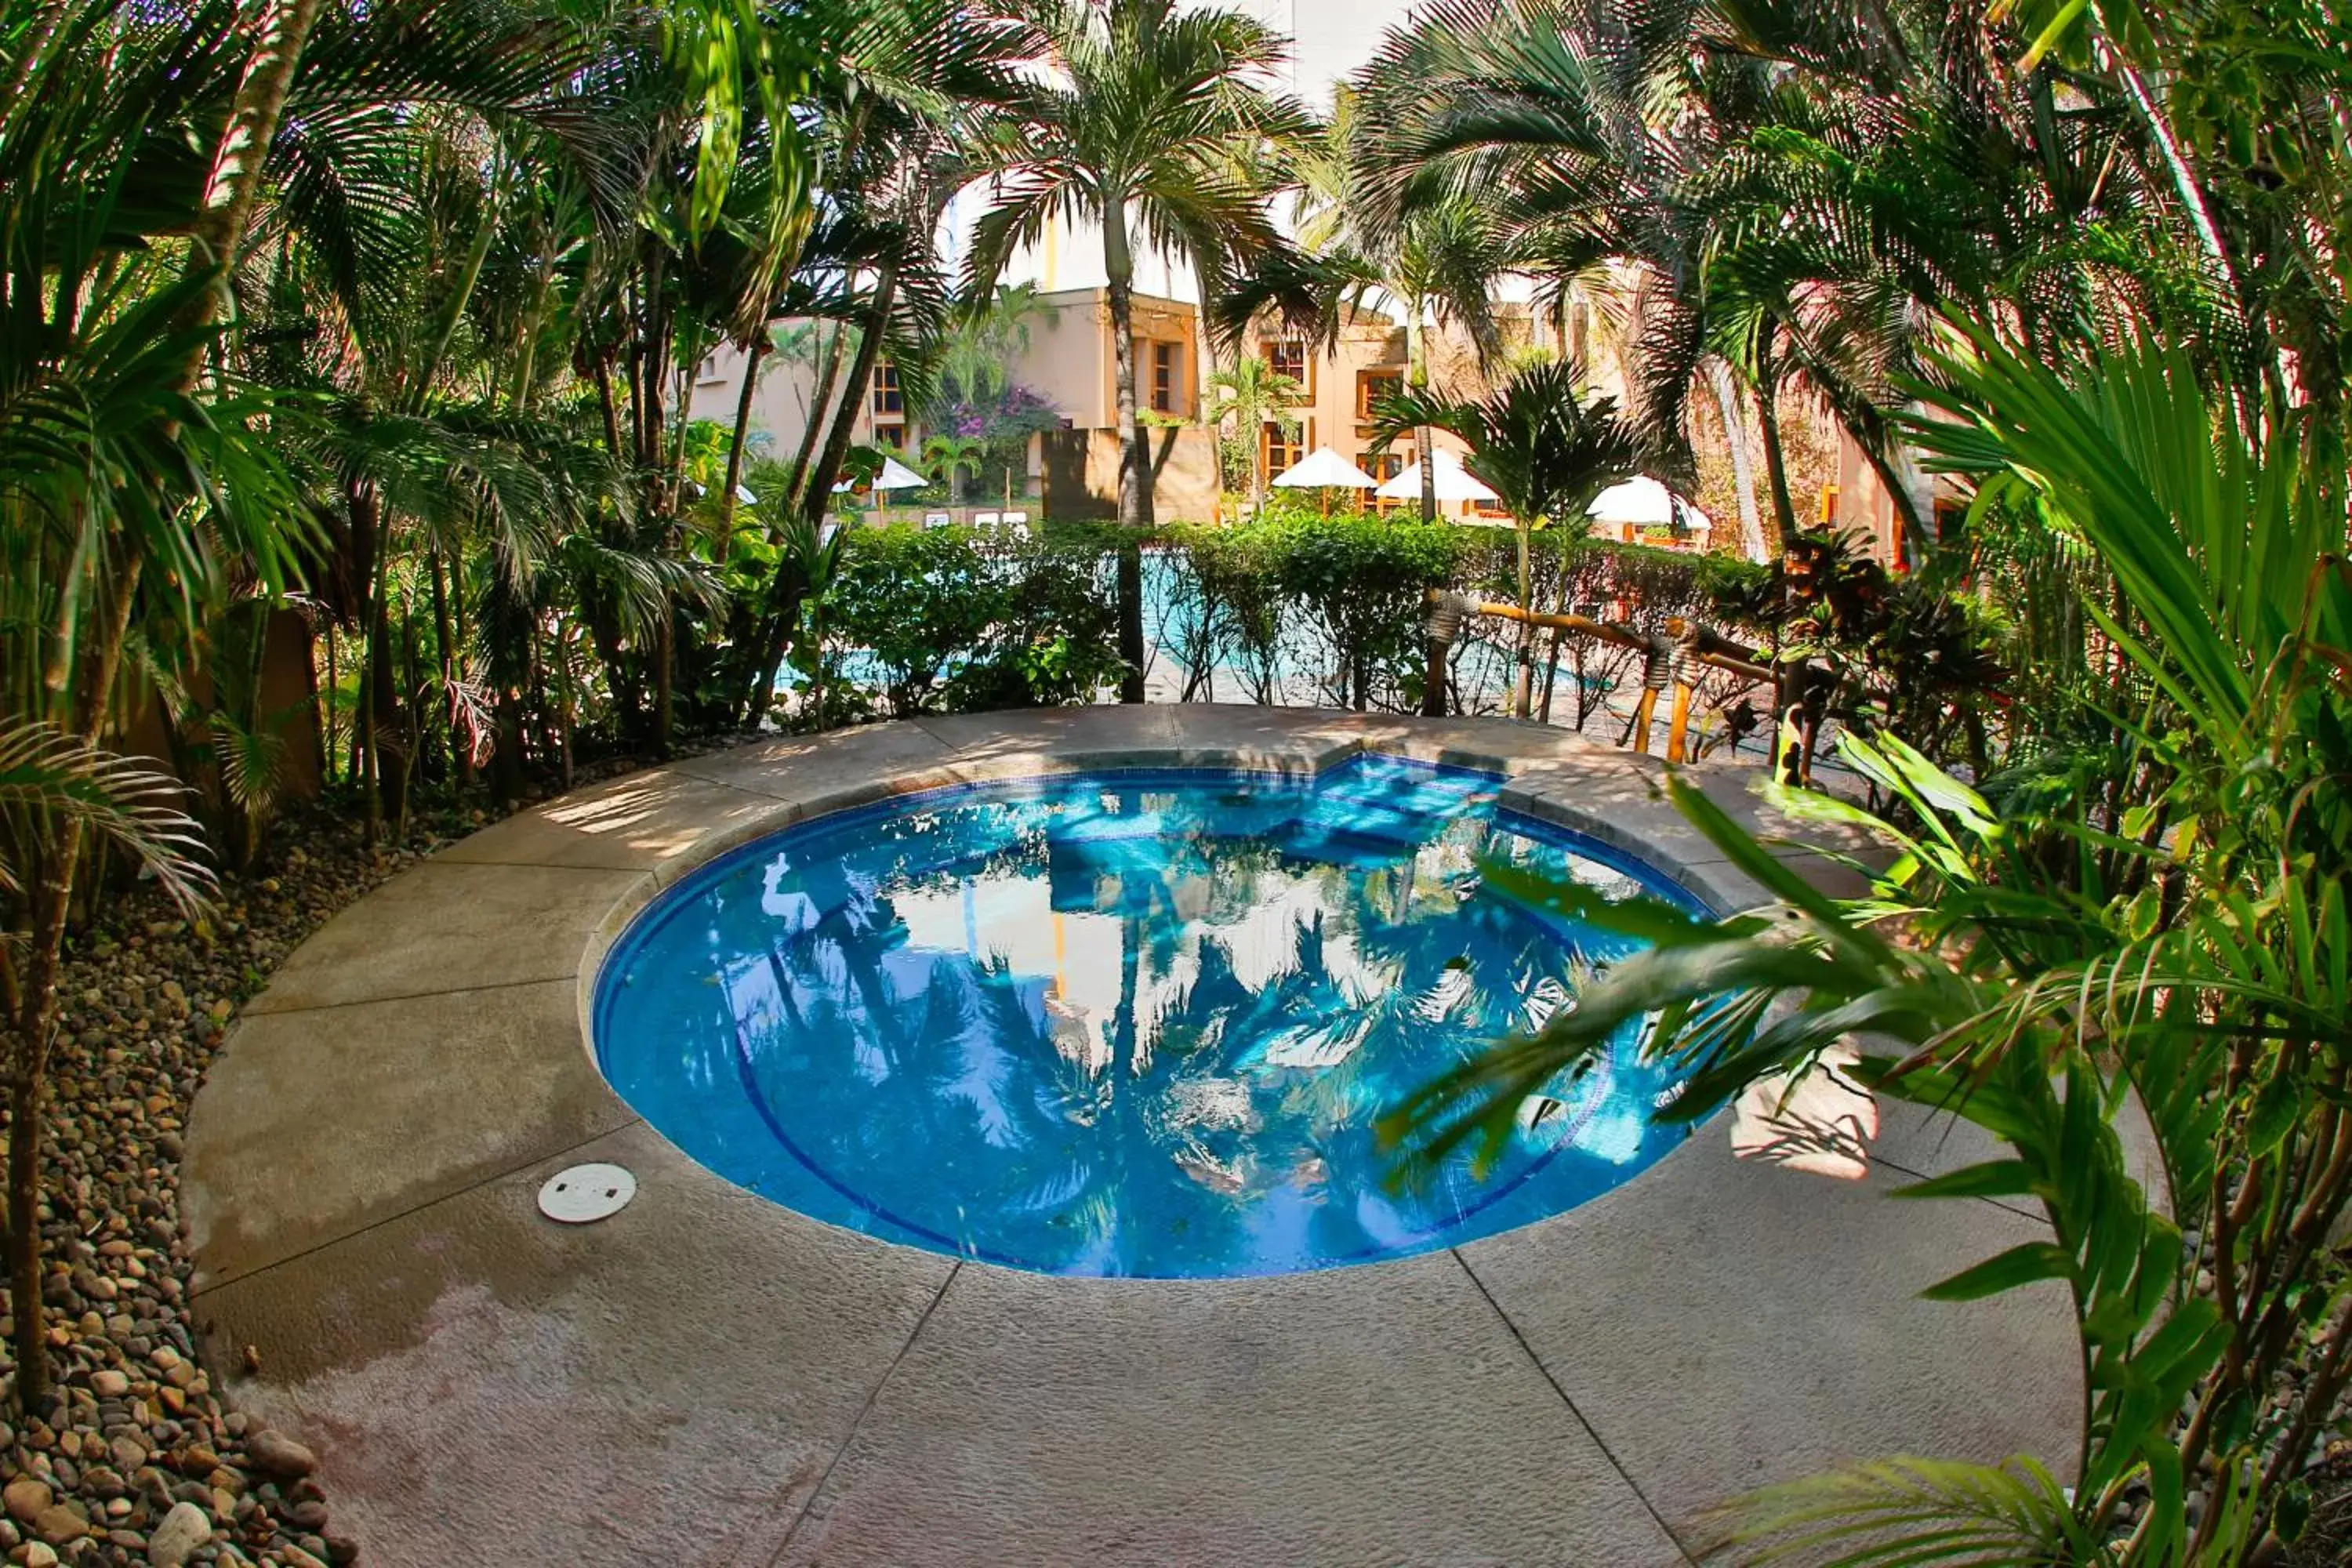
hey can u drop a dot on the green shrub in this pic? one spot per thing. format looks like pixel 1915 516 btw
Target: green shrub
pixel 962 618
pixel 1362 580
pixel 1342 595
pixel 1227 605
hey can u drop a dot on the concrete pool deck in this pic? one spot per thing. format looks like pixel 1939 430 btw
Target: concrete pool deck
pixel 708 1379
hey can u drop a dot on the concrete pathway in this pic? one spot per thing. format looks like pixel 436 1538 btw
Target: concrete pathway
pixel 708 1379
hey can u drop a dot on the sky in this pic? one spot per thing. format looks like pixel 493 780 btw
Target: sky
pixel 1331 39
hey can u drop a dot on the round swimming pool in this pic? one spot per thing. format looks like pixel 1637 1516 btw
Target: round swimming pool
pixel 1125 1023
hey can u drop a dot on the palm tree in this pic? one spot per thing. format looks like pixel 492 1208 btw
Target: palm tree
pixel 1545 449
pixel 909 89
pixel 2025 981
pixel 1253 395
pixel 1672 144
pixel 121 487
pixel 1145 128
pixel 1434 266
pixel 989 333
pixel 418 141
pixel 948 454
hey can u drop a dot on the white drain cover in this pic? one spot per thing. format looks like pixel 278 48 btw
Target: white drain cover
pixel 586 1191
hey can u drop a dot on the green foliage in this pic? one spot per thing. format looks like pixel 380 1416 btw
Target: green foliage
pixel 951 455
pixel 50 780
pixel 1354 582
pixel 2010 1516
pixel 1546 447
pixel 1362 580
pixel 958 618
pixel 1231 604
pixel 229 745
pixel 2182 941
pixel 1252 394
pixel 985 336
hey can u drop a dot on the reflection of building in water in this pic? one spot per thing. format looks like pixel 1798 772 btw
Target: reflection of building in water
pixel 1115 878
pixel 1100 971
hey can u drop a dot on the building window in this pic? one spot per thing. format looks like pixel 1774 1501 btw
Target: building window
pixel 1282 449
pixel 887 402
pixel 1371 385
pixel 1167 361
pixel 891 435
pixel 1384 466
pixel 1287 356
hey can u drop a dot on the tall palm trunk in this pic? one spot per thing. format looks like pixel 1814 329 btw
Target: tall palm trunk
pixel 1135 457
pixel 818 493
pixel 1417 374
pixel 327 707
pixel 756 351
pixel 1743 468
pixel 391 784
pixel 35 1022
pixel 1205 369
pixel 566 705
pixel 1523 692
pixel 525 381
pixel 234 174
pixel 611 410
pixel 453 309
pixel 461 754
pixel 2143 100
pixel 411 728
pixel 360 501
pixel 820 410
pixel 783 599
pixel 664 681
pixel 1768 424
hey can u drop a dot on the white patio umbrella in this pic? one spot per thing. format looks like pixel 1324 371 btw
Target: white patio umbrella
pixel 1323 469
pixel 1642 502
pixel 1453 482
pixel 895 476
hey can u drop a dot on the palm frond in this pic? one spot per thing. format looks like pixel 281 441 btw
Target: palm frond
pixel 50 781
pixel 1909 1513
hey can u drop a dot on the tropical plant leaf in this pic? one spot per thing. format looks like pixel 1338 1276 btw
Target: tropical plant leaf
pixel 50 781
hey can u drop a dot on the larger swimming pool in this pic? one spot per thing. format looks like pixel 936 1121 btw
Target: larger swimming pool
pixel 1127 1023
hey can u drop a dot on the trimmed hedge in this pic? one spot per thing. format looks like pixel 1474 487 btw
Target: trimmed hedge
pixel 968 619
pixel 960 618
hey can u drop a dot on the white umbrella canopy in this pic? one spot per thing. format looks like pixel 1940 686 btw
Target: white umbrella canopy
pixel 1642 502
pixel 1324 469
pixel 1453 482
pixel 895 476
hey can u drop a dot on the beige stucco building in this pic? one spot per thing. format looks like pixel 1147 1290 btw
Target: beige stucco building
pixel 1068 363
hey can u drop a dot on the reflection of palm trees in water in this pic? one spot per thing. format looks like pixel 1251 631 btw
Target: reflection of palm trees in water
pixel 1227 1090
pixel 980 1089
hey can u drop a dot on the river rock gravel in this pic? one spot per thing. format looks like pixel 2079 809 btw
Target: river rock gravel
pixel 137 1459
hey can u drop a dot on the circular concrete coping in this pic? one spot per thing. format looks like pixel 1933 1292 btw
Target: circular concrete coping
pixel 706 1378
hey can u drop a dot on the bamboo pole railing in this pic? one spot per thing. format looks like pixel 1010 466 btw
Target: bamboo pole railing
pixel 1668 656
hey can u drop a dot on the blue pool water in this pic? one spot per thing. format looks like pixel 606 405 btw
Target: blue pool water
pixel 1127 1023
